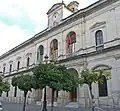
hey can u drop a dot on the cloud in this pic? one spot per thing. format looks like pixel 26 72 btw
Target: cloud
pixel 21 19
pixel 10 36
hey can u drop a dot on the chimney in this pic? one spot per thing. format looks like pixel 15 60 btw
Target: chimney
pixel 73 6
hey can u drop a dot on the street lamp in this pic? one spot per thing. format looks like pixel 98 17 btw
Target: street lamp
pixel 45 102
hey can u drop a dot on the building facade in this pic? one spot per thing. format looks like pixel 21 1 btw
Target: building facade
pixel 85 38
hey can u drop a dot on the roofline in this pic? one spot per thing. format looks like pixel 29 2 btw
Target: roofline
pixel 36 36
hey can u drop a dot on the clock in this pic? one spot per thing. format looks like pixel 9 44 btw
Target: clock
pixel 55 16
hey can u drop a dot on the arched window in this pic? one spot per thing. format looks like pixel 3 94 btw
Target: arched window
pixel 70 42
pixel 40 53
pixel 99 40
pixel 103 87
pixel 54 49
pixel 28 62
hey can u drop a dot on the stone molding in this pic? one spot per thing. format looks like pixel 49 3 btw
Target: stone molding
pixel 98 24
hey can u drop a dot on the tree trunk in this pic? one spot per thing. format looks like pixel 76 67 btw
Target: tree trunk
pixel 92 97
pixel 0 93
pixel 25 96
pixel 52 102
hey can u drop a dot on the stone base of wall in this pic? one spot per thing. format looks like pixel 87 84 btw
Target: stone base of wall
pixel 16 100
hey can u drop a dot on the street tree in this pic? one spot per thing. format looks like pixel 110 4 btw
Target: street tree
pixel 14 83
pixel 54 76
pixel 4 86
pixel 92 76
pixel 24 83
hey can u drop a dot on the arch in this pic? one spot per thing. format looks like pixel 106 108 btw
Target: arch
pixel 102 66
pixel 73 71
pixel 73 93
pixel 40 53
pixel 70 42
pixel 54 49
pixel 103 91
pixel 102 87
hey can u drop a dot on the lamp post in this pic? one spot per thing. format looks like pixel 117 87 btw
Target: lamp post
pixel 45 102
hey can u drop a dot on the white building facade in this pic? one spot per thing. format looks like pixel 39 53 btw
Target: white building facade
pixel 86 38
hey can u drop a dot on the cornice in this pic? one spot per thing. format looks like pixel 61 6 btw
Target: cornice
pixel 89 54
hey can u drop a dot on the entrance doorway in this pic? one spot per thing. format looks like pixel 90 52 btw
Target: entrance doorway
pixel 73 95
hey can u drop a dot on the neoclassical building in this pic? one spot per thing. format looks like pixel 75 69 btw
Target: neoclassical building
pixel 85 38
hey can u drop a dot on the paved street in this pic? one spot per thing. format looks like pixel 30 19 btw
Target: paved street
pixel 18 107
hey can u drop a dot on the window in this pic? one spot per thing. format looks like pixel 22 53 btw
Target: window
pixel 99 40
pixel 28 62
pixel 10 68
pixel 54 49
pixel 18 65
pixel 103 87
pixel 40 53
pixel 3 70
pixel 70 42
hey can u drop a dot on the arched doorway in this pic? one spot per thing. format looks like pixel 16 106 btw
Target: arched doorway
pixel 102 87
pixel 73 93
pixel 103 90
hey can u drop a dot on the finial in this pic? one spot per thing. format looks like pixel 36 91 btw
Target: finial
pixel 62 1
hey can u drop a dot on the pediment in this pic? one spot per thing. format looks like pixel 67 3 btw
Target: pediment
pixel 28 54
pixel 55 6
pixel 10 62
pixel 18 58
pixel 97 24
pixel 4 64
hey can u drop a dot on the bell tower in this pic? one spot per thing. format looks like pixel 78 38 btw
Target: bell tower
pixel 60 11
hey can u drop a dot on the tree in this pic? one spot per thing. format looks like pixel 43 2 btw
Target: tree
pixel 4 86
pixel 92 76
pixel 54 76
pixel 48 75
pixel 14 83
pixel 24 83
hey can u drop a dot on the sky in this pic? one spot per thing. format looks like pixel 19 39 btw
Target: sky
pixel 22 19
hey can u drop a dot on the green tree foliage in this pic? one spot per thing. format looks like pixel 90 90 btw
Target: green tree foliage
pixel 56 77
pixel 24 83
pixel 4 86
pixel 92 76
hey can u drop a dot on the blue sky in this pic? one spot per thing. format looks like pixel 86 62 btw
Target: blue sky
pixel 22 19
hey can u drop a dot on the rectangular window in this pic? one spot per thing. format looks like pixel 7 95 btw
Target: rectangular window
pixel 10 68
pixel 28 62
pixel 18 65
pixel 41 58
pixel 3 70
pixel 55 55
